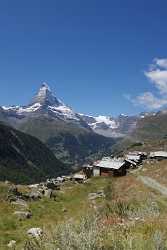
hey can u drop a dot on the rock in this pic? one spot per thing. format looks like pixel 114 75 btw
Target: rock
pixel 20 202
pixel 50 185
pixel 60 179
pixel 35 232
pixel 35 195
pixel 34 185
pixel 14 194
pixel 11 244
pixel 101 193
pixel 53 185
pixel 64 210
pixel 22 215
pixel 7 182
pixel 13 189
pixel 11 198
pixel 93 196
pixel 48 193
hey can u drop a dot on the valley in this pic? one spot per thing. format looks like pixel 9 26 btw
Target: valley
pixel 75 138
pixel 83 125
pixel 48 203
pixel 70 138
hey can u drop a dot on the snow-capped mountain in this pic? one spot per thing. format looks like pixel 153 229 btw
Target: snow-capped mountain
pixel 57 125
pixel 45 97
pixel 100 121
pixel 44 102
pixel 103 125
pixel 109 126
pixel 70 135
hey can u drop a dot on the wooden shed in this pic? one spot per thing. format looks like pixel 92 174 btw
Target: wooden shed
pixel 158 155
pixel 136 157
pixel 109 167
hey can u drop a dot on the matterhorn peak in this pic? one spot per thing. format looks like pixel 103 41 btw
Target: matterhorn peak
pixel 44 89
pixel 46 86
pixel 44 102
pixel 45 96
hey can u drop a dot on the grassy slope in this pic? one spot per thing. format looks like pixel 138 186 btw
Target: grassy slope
pixel 46 213
pixel 150 134
pixel 156 170
pixel 148 145
pixel 152 127
pixel 126 194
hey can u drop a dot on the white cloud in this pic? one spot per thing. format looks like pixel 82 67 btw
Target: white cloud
pixel 159 78
pixel 150 101
pixel 157 74
pixel 161 62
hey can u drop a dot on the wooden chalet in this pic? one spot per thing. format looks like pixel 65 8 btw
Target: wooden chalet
pixel 135 158
pixel 107 167
pixel 158 155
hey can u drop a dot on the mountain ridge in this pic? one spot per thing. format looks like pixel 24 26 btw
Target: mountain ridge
pixel 45 102
pixel 74 137
pixel 58 126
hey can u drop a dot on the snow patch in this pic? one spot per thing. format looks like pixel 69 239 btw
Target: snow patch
pixel 123 115
pixel 32 108
pixel 111 123
pixel 20 110
pixel 64 111
pixel 11 108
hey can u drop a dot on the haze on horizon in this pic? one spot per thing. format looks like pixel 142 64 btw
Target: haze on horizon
pixel 98 57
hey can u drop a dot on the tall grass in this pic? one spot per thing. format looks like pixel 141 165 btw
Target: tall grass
pixel 131 209
pixel 83 235
pixel 91 234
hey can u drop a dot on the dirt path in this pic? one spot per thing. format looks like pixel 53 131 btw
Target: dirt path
pixel 153 184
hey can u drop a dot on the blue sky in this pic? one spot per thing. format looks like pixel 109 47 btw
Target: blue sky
pixel 94 54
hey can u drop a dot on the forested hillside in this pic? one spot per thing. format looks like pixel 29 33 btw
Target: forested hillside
pixel 24 159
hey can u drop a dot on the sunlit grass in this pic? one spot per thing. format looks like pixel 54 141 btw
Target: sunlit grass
pixel 126 199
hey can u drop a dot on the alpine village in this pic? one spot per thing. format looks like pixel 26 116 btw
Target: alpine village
pixel 73 181
pixel 83 125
